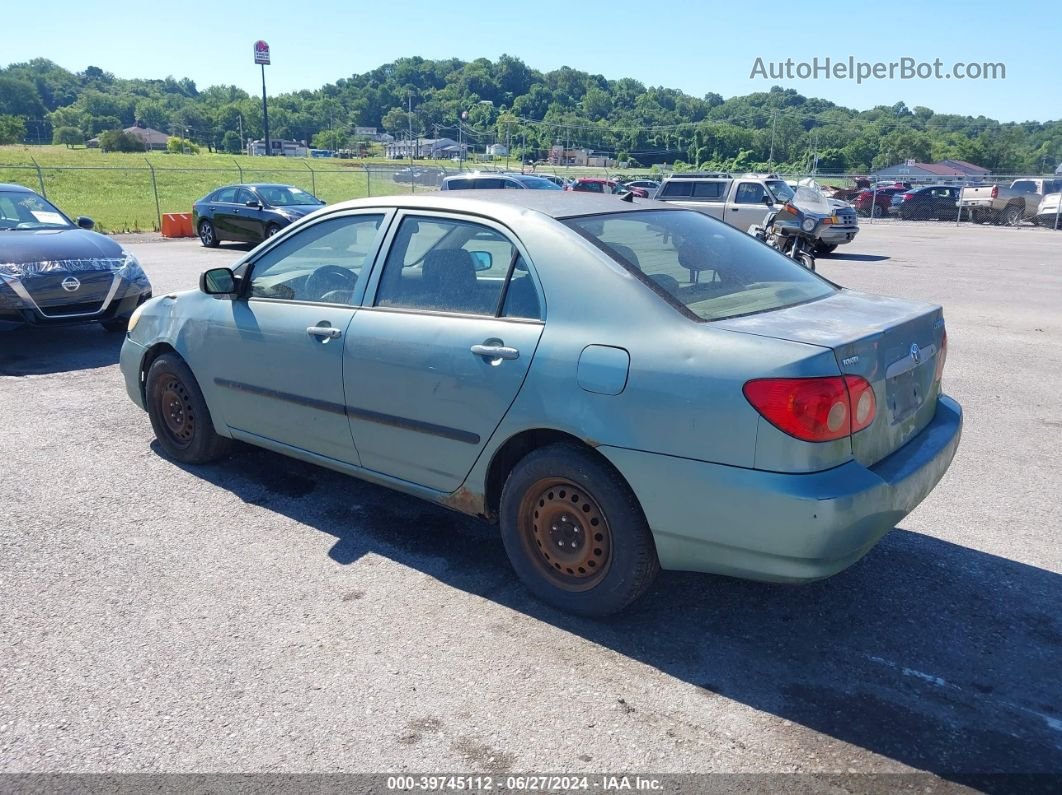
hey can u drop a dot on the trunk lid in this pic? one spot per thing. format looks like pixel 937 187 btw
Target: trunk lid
pixel 891 342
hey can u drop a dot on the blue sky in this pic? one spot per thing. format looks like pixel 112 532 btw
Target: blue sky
pixel 695 47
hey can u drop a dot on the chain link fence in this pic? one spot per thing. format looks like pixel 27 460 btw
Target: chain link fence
pixel 134 197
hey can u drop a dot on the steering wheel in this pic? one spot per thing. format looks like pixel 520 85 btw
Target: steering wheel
pixel 328 279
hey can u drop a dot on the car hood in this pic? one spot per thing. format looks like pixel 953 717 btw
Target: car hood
pixel 18 247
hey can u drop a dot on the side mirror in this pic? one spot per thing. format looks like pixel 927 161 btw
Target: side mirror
pixel 483 259
pixel 218 282
pixel 85 222
pixel 252 203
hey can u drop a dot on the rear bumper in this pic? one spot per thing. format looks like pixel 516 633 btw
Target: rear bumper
pixel 781 527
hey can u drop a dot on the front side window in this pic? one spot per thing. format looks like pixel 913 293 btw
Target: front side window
pixel 750 193
pixel 321 263
pixel 451 265
pixel 707 269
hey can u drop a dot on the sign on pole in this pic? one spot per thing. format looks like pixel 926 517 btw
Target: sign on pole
pixel 261 53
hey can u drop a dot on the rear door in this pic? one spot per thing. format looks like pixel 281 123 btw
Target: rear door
pixel 441 348
pixel 224 207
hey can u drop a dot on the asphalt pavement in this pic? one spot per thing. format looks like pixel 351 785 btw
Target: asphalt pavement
pixel 261 614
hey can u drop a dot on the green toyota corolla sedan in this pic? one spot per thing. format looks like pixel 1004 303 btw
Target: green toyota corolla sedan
pixel 620 385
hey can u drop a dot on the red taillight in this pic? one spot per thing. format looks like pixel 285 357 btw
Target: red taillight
pixel 942 356
pixel 907 196
pixel 814 409
pixel 995 191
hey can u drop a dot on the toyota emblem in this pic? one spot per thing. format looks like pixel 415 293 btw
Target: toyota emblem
pixel 71 285
pixel 916 353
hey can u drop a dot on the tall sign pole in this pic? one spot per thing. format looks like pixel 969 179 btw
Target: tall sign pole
pixel 261 57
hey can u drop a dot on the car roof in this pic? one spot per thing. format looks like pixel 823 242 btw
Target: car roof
pixel 510 204
pixel 15 188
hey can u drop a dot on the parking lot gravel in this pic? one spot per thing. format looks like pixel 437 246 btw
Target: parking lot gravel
pixel 261 614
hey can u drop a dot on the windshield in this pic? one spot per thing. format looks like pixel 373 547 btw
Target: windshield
pixel 281 196
pixel 810 200
pixel 703 266
pixel 781 192
pixel 23 210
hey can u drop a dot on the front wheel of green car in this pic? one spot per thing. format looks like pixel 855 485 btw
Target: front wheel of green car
pixel 575 533
pixel 179 414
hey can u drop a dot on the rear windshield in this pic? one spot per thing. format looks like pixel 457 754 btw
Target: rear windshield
pixel 705 268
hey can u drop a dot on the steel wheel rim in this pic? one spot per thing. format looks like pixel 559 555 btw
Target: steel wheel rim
pixel 566 534
pixel 177 413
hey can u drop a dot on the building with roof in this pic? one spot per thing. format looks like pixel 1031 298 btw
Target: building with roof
pixel 432 148
pixel 153 139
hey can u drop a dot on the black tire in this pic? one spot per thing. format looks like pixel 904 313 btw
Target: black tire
pixel 823 249
pixel 271 230
pixel 807 260
pixel 208 236
pixel 1011 215
pixel 876 212
pixel 117 325
pixel 612 560
pixel 179 414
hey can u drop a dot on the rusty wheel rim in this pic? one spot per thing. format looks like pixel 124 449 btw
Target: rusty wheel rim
pixel 566 533
pixel 178 415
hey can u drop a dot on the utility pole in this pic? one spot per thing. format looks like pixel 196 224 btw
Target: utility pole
pixel 243 143
pixel 774 118
pixel 409 110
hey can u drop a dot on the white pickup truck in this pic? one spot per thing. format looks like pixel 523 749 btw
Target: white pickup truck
pixel 1006 205
pixel 744 201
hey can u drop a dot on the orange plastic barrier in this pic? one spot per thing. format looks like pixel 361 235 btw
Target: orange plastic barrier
pixel 177 225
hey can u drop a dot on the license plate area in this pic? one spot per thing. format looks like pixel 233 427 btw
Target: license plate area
pixel 905 395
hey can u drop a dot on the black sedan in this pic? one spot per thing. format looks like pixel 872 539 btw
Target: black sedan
pixel 932 201
pixel 54 271
pixel 250 213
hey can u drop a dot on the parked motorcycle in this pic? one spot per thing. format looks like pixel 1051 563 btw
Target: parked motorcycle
pixel 794 229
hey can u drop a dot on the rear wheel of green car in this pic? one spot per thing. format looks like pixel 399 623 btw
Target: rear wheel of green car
pixel 179 414
pixel 575 533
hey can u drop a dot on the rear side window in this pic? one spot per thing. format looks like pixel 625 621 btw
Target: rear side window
pixel 459 184
pixel 710 190
pixel 1024 186
pixel 677 189
pixel 227 195
pixel 706 269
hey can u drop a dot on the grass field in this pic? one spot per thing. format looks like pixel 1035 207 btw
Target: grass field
pixel 116 189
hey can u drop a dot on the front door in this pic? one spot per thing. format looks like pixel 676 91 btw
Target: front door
pixel 434 363
pixel 276 355
pixel 749 206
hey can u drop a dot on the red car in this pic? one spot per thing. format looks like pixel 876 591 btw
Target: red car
pixel 600 185
pixel 869 203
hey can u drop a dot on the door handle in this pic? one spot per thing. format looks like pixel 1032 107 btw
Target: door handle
pixel 495 351
pixel 327 332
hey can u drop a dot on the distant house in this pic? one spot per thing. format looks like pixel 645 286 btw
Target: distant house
pixel 497 150
pixel 945 171
pixel 153 139
pixel 1058 171
pixel 280 148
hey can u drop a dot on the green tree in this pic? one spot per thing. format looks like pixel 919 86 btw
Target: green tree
pixel 120 141
pixel 12 130
pixel 70 136
pixel 177 145
pixel 231 143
